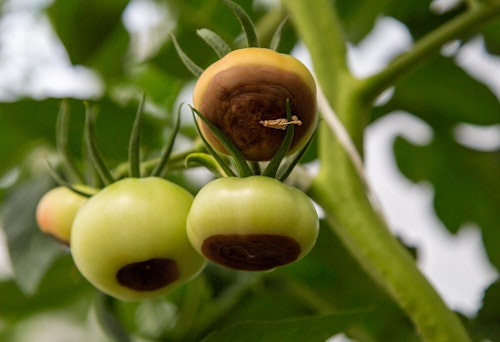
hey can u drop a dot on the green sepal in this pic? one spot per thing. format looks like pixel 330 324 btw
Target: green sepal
pixel 239 160
pixel 218 158
pixel 275 162
pixel 60 180
pixel 206 160
pixel 62 129
pixel 275 41
pixel 195 69
pixel 161 168
pixel 214 41
pixel 134 154
pixel 94 153
pixel 255 165
pixel 246 23
pixel 285 171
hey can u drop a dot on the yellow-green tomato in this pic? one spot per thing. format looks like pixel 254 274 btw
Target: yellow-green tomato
pixel 130 239
pixel 57 209
pixel 255 223
pixel 244 94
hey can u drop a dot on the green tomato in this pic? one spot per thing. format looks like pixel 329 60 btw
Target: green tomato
pixel 57 209
pixel 130 239
pixel 255 223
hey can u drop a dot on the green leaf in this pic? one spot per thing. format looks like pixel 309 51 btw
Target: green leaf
pixel 24 125
pixel 358 17
pixel 31 251
pixel 62 287
pixel 27 124
pixel 466 184
pixel 311 329
pixel 326 281
pixel 92 32
pixel 107 316
pixel 193 15
pixel 491 34
pixel 330 280
pixel 485 326
pixel 443 94
pixel 159 87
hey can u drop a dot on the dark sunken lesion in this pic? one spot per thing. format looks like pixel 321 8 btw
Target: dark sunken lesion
pixel 239 98
pixel 251 252
pixel 148 275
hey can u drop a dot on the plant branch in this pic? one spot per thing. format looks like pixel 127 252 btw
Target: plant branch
pixel 430 45
pixel 340 191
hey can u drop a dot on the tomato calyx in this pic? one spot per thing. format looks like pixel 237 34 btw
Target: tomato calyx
pixel 129 238
pixel 274 169
pixel 244 94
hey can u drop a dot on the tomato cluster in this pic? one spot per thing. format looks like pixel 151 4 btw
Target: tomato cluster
pixel 129 239
pixel 139 238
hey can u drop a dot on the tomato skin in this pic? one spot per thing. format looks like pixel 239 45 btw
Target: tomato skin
pixel 137 223
pixel 57 209
pixel 260 212
pixel 249 86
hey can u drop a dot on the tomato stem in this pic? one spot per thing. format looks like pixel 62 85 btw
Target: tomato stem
pixel 340 192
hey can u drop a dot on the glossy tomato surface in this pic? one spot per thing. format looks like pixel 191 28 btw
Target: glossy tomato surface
pixel 130 239
pixel 254 223
pixel 57 209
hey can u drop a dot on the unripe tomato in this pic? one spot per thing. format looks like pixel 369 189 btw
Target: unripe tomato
pixel 255 223
pixel 57 209
pixel 130 239
pixel 249 87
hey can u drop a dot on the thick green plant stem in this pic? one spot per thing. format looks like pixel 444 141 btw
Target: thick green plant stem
pixel 339 191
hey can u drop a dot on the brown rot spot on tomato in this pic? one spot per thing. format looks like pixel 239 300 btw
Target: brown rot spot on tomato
pixel 244 94
pixel 148 275
pixel 251 252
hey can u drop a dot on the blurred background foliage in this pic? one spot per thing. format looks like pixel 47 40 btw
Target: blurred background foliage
pixel 328 286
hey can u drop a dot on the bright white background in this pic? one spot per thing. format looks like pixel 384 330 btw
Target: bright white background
pixel 32 62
